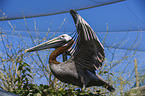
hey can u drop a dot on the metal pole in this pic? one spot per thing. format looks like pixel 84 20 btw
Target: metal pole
pixel 136 73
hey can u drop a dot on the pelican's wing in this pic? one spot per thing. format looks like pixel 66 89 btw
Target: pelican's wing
pixel 89 52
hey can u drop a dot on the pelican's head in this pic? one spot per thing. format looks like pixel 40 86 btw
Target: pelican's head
pixel 53 43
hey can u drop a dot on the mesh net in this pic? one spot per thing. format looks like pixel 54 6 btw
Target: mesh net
pixel 17 8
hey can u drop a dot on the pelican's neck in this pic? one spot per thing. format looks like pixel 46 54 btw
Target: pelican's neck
pixel 58 51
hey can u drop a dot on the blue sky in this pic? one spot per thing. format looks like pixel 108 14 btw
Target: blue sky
pixel 126 16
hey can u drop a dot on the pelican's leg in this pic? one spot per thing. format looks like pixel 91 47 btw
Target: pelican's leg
pixel 64 55
pixel 84 83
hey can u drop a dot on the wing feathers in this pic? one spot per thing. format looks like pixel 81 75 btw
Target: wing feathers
pixel 89 52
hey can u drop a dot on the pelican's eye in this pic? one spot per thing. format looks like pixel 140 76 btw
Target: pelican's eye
pixel 62 36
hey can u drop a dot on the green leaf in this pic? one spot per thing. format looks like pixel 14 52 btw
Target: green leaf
pixel 105 72
pixel 111 74
pixel 61 89
pixel 21 62
pixel 29 75
pixel 100 72
pixel 46 86
pixel 20 50
pixel 82 93
pixel 28 69
pixel 23 71
pixel 27 79
pixel 35 86
pixel 23 76
pixel 37 94
pixel 19 84
pixel 20 68
pixel 25 64
pixel 41 84
pixel 16 80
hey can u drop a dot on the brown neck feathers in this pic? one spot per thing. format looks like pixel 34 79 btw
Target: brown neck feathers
pixel 58 51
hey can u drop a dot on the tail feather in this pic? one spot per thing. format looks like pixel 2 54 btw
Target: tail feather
pixel 110 88
pixel 98 81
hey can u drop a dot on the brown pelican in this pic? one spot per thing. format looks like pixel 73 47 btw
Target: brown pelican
pixel 87 56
